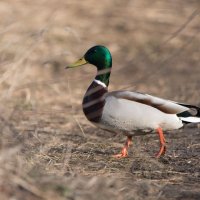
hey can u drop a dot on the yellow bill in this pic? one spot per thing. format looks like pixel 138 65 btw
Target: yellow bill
pixel 79 62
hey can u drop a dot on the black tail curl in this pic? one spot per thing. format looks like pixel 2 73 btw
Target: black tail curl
pixel 193 112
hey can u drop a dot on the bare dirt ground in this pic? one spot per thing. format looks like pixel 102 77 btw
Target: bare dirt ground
pixel 48 150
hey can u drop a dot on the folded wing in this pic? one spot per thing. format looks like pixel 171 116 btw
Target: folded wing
pixel 166 106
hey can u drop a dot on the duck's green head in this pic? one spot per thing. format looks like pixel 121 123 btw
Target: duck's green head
pixel 98 55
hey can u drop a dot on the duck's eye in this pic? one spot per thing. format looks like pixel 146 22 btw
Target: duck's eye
pixel 94 51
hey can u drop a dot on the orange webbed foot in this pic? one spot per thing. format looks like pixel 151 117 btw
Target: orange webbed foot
pixel 124 152
pixel 161 151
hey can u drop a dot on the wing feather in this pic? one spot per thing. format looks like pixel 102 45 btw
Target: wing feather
pixel 166 106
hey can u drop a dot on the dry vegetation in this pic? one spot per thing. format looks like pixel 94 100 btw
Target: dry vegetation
pixel 48 150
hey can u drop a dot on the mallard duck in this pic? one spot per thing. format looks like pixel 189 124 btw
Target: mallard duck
pixel 130 113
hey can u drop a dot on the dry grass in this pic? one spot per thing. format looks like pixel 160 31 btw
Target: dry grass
pixel 47 148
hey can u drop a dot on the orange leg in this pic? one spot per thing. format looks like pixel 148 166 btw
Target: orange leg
pixel 162 143
pixel 124 152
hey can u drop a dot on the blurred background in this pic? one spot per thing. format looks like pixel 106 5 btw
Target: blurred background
pixel 155 46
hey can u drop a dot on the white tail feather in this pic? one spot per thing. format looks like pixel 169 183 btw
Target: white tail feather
pixel 190 119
